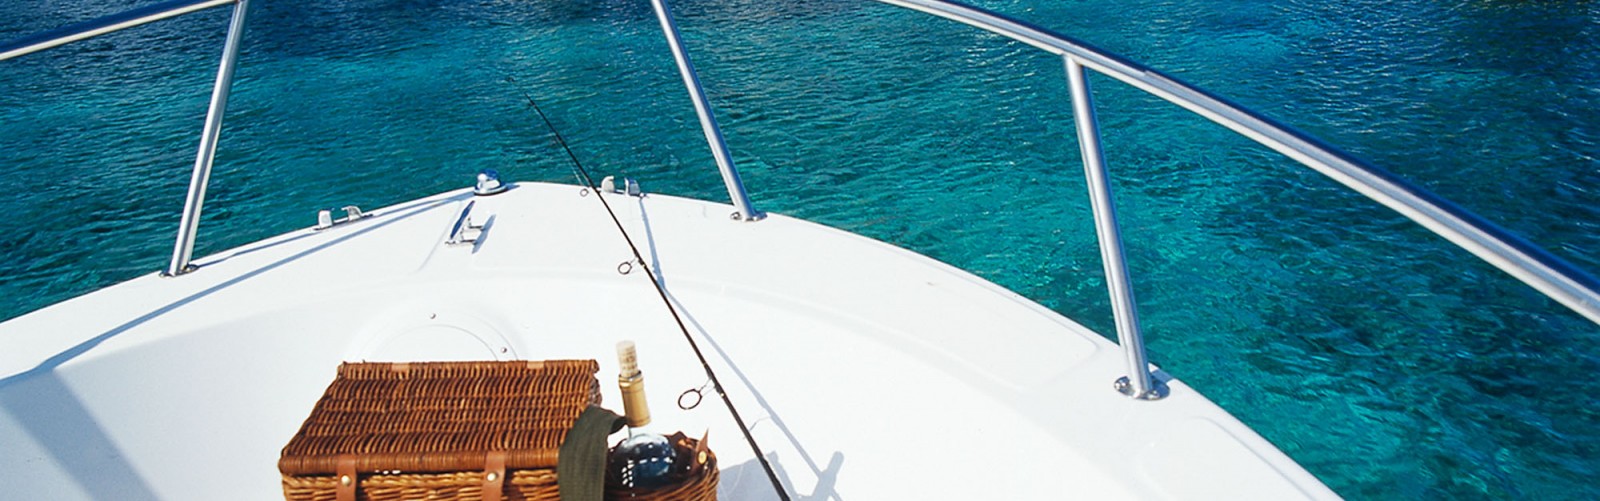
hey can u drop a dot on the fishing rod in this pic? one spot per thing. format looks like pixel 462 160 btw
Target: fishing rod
pixel 661 290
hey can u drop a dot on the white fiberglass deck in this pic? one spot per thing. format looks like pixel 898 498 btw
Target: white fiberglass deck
pixel 865 371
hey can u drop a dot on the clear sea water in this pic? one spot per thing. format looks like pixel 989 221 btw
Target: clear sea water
pixel 1388 363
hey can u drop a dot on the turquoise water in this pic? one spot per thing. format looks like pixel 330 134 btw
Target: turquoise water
pixel 1384 360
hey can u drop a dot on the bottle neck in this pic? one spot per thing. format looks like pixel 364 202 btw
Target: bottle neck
pixel 634 405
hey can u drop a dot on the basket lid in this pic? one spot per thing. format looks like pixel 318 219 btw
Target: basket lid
pixel 442 416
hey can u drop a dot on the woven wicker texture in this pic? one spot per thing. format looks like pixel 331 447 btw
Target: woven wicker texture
pixel 441 417
pixel 466 486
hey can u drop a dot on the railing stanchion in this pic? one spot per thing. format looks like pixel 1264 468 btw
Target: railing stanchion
pixel 1137 384
pixel 1550 275
pixel 183 249
pixel 708 120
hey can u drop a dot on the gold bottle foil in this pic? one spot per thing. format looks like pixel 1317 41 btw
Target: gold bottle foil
pixel 633 402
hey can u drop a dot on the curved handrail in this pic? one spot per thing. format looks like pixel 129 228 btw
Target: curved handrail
pixel 96 27
pixel 1527 262
pixel 188 226
pixel 1536 267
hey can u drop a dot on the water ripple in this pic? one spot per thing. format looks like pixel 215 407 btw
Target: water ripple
pixel 1386 361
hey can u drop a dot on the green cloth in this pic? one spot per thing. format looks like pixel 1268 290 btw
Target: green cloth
pixel 581 467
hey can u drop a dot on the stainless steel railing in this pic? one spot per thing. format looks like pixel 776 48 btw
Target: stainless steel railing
pixel 183 249
pixel 1543 271
pixel 1538 268
pixel 743 210
pixel 1124 310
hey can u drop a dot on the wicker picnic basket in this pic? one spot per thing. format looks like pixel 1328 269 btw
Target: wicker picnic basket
pixel 694 476
pixel 438 430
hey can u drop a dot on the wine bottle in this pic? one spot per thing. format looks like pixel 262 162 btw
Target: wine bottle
pixel 644 459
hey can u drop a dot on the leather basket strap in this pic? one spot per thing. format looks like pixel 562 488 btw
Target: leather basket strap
pixel 346 491
pixel 494 475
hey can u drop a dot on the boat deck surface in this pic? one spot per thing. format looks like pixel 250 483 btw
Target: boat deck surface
pixel 864 371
